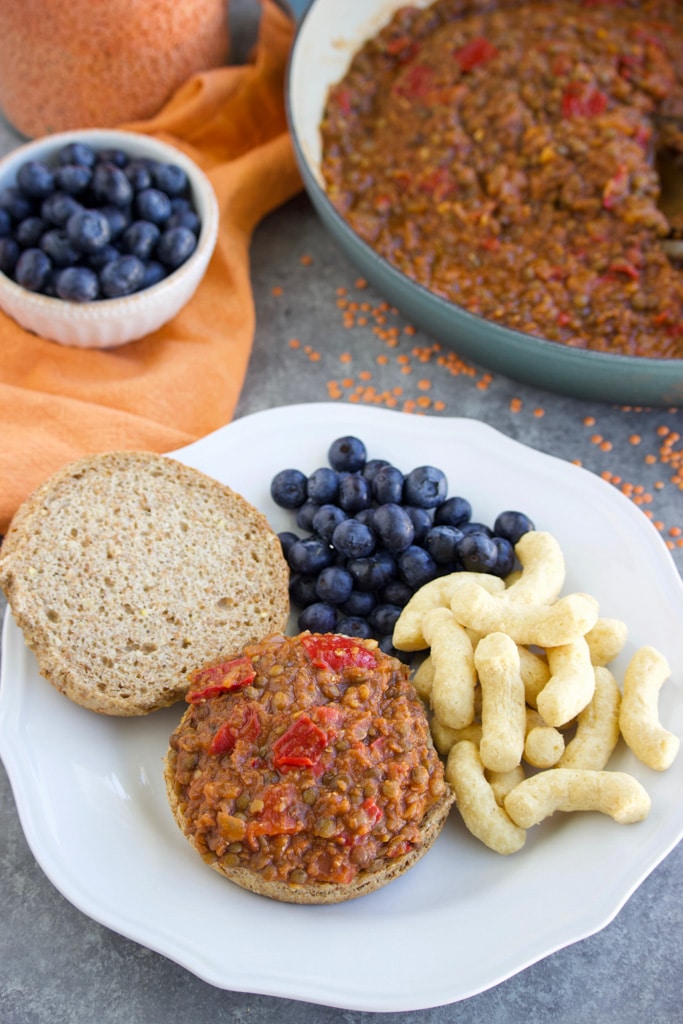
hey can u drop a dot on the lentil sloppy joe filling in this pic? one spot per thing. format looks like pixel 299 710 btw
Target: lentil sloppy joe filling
pixel 503 155
pixel 313 764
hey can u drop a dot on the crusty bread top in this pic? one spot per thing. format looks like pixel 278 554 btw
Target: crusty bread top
pixel 127 569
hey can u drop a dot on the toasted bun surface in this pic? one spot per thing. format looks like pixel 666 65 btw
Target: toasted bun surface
pixel 317 780
pixel 124 570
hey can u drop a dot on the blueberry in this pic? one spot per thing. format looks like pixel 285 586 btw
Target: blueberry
pixel 397 592
pixel 393 526
pixel 175 246
pixel 477 552
pixel 154 272
pixel 122 277
pixel 110 185
pixel 73 178
pixel 352 625
pixel 154 205
pixel 476 528
pixel 119 218
pixel 416 566
pixel 383 618
pixel 386 645
pixel 372 468
pixel 88 230
pixel 35 179
pixel 347 453
pixel 96 260
pixel 326 519
pixel 334 585
pixel 139 174
pixel 323 485
pixel 353 539
pixel 442 544
pixel 287 538
pixel 453 512
pixel 365 516
pixel 58 207
pixel 32 270
pixel 359 603
pixel 113 155
pixel 425 487
pixel 77 153
pixel 318 618
pixel 512 526
pixel 310 555
pixel 422 521
pixel 354 493
pixel 170 178
pixel 505 562
pixel 302 589
pixel 288 488
pixel 77 284
pixel 305 515
pixel 18 206
pixel 29 232
pixel 373 572
pixel 387 485
pixel 59 248
pixel 5 223
pixel 140 238
pixel 185 219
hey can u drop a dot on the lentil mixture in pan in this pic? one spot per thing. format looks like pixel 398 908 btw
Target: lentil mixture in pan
pixel 318 765
pixel 504 155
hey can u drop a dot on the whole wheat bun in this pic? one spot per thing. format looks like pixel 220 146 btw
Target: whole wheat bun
pixel 126 569
pixel 192 733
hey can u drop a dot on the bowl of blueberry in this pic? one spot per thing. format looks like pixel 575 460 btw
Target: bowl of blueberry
pixel 104 235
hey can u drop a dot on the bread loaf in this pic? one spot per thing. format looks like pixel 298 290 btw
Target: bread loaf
pixel 126 569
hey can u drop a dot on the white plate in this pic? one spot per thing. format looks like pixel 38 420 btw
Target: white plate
pixel 92 803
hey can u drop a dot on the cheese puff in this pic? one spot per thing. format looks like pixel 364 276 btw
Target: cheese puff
pixel 639 721
pixel 475 799
pixel 597 729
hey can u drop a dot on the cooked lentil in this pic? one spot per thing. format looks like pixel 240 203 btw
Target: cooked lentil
pixel 504 155
pixel 330 785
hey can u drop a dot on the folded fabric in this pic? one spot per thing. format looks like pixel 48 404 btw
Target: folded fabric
pixel 58 403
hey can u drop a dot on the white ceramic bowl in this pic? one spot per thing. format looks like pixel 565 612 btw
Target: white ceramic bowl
pixel 108 323
pixel 327 38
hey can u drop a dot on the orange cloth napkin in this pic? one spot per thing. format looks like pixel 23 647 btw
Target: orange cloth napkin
pixel 178 384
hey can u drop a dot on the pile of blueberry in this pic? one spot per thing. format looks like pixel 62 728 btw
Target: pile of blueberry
pixel 373 536
pixel 96 224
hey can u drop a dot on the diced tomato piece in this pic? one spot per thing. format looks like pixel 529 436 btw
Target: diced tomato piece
pixel 341 98
pixel 327 716
pixel 416 83
pixel 581 99
pixel 330 651
pixel 475 53
pixel 244 724
pixel 301 745
pixel 624 266
pixel 403 47
pixel 211 680
pixel 279 814
pixel 373 812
